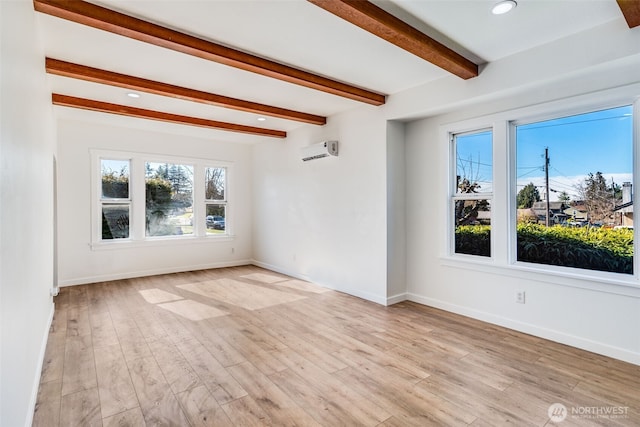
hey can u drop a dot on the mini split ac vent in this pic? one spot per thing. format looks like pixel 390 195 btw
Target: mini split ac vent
pixel 319 150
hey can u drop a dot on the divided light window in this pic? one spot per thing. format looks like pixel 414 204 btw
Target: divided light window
pixel 473 192
pixel 169 199
pixel 115 199
pixel 215 200
pixel 574 191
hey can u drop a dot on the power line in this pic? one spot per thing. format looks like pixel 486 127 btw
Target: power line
pixel 524 128
pixel 528 173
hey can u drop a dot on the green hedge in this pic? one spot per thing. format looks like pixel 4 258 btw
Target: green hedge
pixel 473 240
pixel 587 247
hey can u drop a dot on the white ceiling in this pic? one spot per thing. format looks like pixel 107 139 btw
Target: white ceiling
pixel 300 34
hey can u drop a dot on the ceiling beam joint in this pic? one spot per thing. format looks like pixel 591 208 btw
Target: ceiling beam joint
pixel 631 11
pixel 379 22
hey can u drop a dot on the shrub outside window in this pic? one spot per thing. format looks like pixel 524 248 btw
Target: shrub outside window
pixel 574 191
pixel 472 192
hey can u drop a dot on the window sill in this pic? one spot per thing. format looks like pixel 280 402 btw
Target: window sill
pixel 619 284
pixel 159 242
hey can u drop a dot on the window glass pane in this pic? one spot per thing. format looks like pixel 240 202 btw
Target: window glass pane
pixel 216 215
pixel 115 179
pixel 474 171
pixel 115 221
pixel 575 195
pixel 215 183
pixel 169 199
pixel 472 227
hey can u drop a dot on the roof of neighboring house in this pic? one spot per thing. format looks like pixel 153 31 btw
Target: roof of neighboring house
pixel 579 206
pixel 554 206
pixel 624 206
pixel 578 212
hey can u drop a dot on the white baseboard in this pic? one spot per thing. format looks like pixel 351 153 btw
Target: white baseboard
pixel 280 270
pixel 550 334
pixel 396 299
pixel 153 272
pixel 356 293
pixel 36 385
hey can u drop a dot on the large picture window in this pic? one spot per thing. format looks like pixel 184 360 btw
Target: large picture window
pixel 575 191
pixel 472 192
pixel 168 199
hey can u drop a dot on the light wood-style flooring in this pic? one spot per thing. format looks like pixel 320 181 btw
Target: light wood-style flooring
pixel 245 346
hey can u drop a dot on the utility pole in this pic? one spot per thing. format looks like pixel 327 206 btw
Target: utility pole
pixel 546 182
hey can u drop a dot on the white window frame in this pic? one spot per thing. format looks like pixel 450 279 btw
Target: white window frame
pixel 602 275
pixel 177 162
pixel 455 196
pixel 137 197
pixel 503 260
pixel 224 201
pixel 113 201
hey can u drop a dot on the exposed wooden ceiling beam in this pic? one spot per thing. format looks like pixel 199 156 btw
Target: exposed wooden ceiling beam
pixel 115 22
pixel 125 110
pixel 631 11
pixel 96 75
pixel 375 20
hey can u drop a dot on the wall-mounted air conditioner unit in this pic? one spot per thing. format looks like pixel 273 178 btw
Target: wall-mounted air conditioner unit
pixel 319 150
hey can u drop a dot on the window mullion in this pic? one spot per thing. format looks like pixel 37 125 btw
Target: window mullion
pixel 501 212
pixel 137 199
pixel 199 207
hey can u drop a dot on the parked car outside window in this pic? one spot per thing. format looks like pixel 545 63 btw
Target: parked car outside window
pixel 216 222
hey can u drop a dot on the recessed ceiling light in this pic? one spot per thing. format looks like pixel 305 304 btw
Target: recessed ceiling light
pixel 261 119
pixel 503 7
pixel 133 95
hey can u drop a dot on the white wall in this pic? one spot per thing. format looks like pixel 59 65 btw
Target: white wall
pixel 598 316
pixel 396 213
pixel 80 263
pixel 26 212
pixel 325 220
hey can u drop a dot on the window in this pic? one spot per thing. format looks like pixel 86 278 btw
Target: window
pixel 472 192
pixel 215 199
pixel 115 201
pixel 168 199
pixel 574 191
pixel 149 198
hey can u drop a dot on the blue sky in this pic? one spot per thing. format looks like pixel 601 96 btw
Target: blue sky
pixel 599 141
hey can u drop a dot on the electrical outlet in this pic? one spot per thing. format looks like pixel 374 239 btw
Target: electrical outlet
pixel 520 297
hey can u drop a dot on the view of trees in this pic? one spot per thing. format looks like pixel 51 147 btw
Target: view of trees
pixel 527 196
pixel 599 198
pixel 168 198
pixel 564 197
pixel 466 211
pixel 169 193
pixel 215 181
